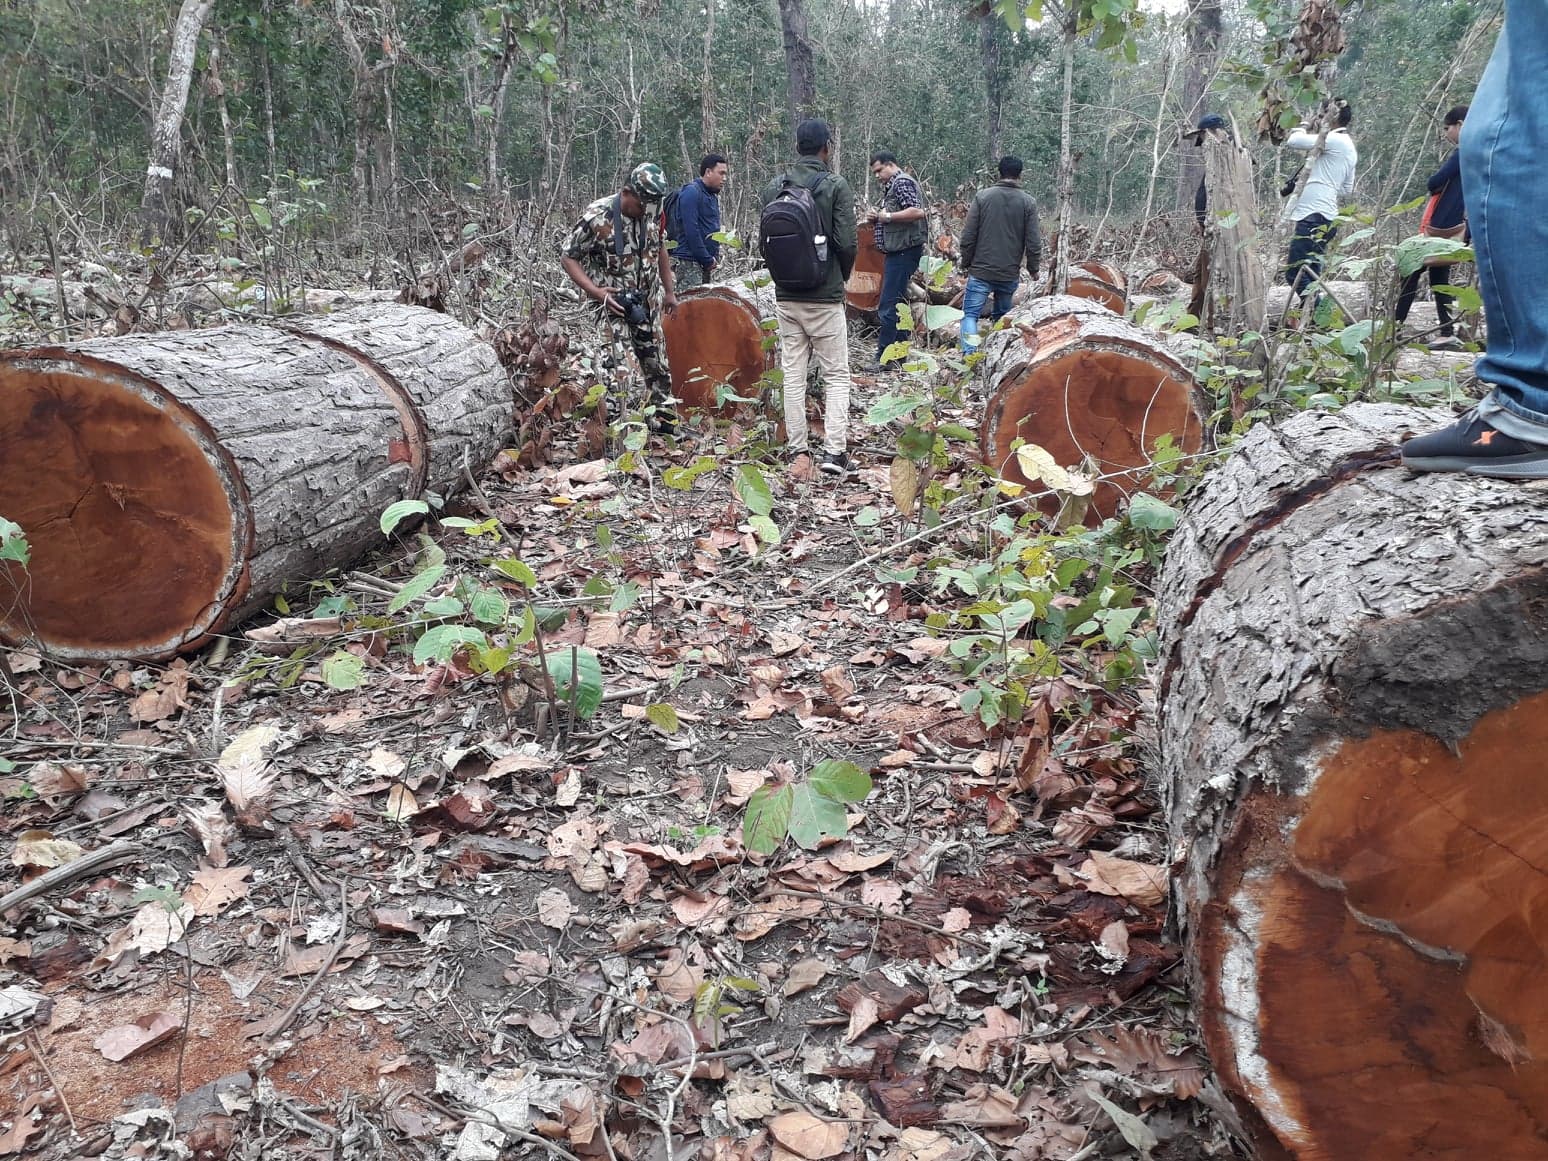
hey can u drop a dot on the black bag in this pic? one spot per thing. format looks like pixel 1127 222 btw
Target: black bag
pixel 790 235
pixel 669 217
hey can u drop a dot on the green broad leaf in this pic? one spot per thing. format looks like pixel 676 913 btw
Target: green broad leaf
pixel 6 765
pixel 443 607
pixel 519 571
pixel 868 517
pixel 597 586
pixel 1352 339
pixel 1145 511
pixel 898 576
pixel 897 352
pixel 442 642
pixel 334 606
pixel 471 527
pixel 489 606
pixel 841 781
pixel 753 490
pixel 663 717
pixel 1464 297
pixel 905 323
pixel 399 511
pixel 937 317
pixel 893 407
pixel 625 597
pixel 814 817
pixel 1411 253
pixel 1135 1131
pixel 281 604
pixel 527 630
pixel 681 479
pixel 765 529
pixel 13 542
pixel 957 431
pixel 493 659
pixel 767 819
pixel 603 536
pixel 915 442
pixel 1405 207
pixel 577 675
pixel 419 584
pixel 1117 623
pixel 261 215
pixel 344 671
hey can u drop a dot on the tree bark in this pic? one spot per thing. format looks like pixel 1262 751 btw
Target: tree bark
pixel 991 51
pixel 1352 724
pixel 800 70
pixel 218 88
pixel 707 82
pixel 157 204
pixel 1206 27
pixel 1087 386
pixel 172 483
pixel 360 103
pixel 718 337
pixel 1101 283
pixel 1065 182
pixel 1230 288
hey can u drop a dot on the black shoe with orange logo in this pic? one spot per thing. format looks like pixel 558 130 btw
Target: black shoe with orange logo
pixel 1470 445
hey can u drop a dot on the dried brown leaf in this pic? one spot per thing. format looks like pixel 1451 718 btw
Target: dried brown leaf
pixel 123 1041
pixel 216 888
pixel 1107 874
pixel 554 909
pixel 807 1136
pixel 804 975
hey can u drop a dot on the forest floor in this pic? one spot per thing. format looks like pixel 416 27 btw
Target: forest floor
pixel 441 915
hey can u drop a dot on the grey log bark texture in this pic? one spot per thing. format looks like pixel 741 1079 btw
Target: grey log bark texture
pixel 1318 601
pixel 1235 299
pixel 171 484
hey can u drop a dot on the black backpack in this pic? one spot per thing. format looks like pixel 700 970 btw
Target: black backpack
pixel 669 219
pixel 788 234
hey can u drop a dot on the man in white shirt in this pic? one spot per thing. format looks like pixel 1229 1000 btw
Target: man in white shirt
pixel 1331 177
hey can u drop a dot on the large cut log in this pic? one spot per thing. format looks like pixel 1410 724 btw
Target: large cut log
pixel 1087 386
pixel 1353 723
pixel 721 335
pixel 170 484
pixel 1101 283
pixel 863 290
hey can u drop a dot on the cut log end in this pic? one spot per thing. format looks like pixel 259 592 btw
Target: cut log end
pixel 716 339
pixel 1100 283
pixel 1087 387
pixel 1394 951
pixel 155 526
pixel 862 293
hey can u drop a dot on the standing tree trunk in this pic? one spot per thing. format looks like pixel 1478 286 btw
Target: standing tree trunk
pixel 1065 190
pixel 156 206
pixel 268 107
pixel 499 85
pixel 361 101
pixel 707 83
pixel 1205 28
pixel 218 89
pixel 801 95
pixel 990 48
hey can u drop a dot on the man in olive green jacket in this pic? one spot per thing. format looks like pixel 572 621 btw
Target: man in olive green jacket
pixel 811 322
pixel 1000 234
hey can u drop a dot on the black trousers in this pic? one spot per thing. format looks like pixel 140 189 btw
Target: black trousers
pixel 1439 276
pixel 1313 233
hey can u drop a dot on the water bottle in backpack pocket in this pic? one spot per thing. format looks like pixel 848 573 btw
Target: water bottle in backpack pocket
pixel 790 235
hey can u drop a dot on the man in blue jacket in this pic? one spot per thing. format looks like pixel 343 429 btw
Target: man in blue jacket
pixel 691 221
pixel 1448 218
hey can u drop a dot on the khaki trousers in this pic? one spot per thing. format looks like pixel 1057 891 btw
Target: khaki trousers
pixel 817 330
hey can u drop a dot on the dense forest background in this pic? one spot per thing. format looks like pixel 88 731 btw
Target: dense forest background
pixel 358 123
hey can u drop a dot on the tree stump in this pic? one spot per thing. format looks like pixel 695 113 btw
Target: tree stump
pixel 1100 283
pixel 718 336
pixel 171 483
pixel 862 293
pixel 1072 377
pixel 1353 721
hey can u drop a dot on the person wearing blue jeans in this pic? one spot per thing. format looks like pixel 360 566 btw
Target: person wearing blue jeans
pixel 901 226
pixel 1505 184
pixel 1000 234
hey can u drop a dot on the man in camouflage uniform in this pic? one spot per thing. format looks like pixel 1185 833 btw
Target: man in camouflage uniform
pixel 618 246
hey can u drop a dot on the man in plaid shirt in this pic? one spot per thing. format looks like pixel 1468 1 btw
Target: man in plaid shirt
pixel 901 227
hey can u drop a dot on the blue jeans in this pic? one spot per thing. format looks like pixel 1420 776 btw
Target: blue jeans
pixel 973 300
pixel 1504 142
pixel 897 269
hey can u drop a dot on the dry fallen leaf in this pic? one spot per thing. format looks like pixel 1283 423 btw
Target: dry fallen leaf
pixel 39 848
pixel 244 769
pixel 1107 874
pixel 784 644
pixel 124 1041
pixel 862 1017
pixel 852 862
pixel 216 888
pixel 554 908
pixel 806 1136
pixel 401 803
pixel 804 975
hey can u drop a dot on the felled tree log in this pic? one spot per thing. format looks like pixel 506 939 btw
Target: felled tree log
pixel 721 334
pixel 170 484
pixel 1353 719
pixel 1101 283
pixel 862 293
pixel 1075 379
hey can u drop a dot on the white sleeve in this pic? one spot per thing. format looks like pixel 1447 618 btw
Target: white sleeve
pixel 1302 140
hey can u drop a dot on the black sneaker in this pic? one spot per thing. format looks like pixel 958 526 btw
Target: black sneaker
pixel 835 463
pixel 1470 445
pixel 661 422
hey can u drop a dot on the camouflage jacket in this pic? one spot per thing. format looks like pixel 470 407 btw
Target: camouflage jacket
pixel 591 244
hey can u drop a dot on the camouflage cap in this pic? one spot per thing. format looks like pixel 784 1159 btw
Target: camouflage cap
pixel 647 182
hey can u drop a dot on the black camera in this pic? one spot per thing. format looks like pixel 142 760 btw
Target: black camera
pixel 635 313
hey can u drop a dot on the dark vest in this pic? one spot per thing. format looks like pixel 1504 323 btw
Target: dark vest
pixel 902 235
